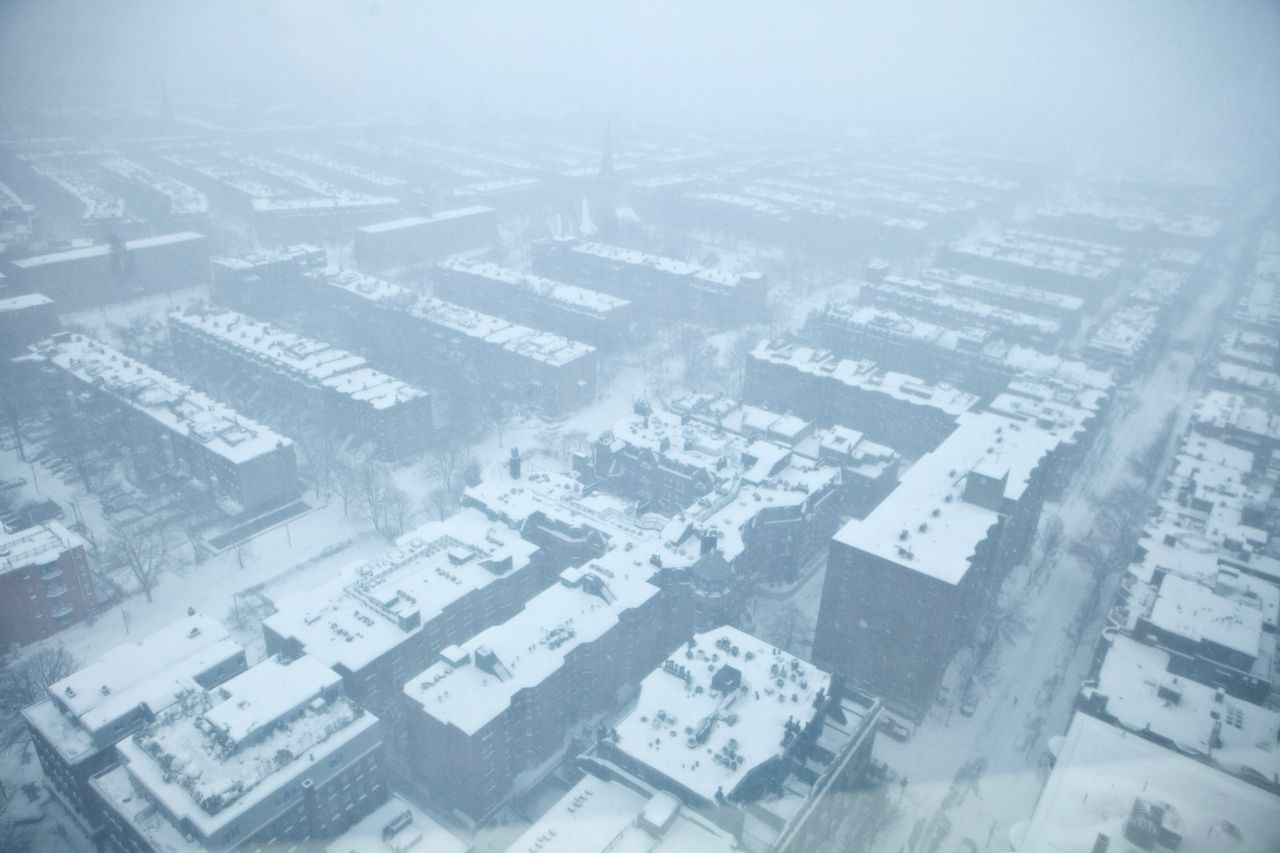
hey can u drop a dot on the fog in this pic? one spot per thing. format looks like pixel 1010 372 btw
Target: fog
pixel 1094 81
pixel 582 427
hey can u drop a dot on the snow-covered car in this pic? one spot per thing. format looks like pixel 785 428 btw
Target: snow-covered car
pixel 968 705
pixel 894 729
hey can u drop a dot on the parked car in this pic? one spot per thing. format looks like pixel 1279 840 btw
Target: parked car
pixel 895 729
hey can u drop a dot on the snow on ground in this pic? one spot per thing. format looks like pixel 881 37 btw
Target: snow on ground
pixel 969 779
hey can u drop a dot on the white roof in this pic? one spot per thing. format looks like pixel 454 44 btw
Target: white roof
pixel 1238 736
pixel 304 358
pixel 23 301
pixel 412 221
pixel 369 608
pixel 930 494
pixel 212 780
pixel 597 816
pixel 705 740
pixel 166 401
pixel 1190 610
pixel 397 826
pixel 104 249
pixel 521 340
pixel 568 296
pixel 534 643
pixel 867 376
pixel 1101 771
pixel 35 545
pixel 152 671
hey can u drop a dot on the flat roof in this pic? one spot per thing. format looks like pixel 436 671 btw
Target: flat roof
pixel 1100 774
pixel 931 495
pixel 23 301
pixel 151 672
pixel 35 545
pixel 412 221
pixel 397 826
pixel 185 761
pixel 163 399
pixel 305 358
pixel 369 607
pixel 103 249
pixel 587 603
pixel 1237 736
pixel 568 296
pixel 598 816
pixel 520 340
pixel 735 730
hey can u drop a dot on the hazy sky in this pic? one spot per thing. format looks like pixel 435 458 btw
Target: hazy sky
pixel 1060 74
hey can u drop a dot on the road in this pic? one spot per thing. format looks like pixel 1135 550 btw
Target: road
pixel 971 779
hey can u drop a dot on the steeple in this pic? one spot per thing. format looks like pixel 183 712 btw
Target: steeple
pixel 166 109
pixel 606 158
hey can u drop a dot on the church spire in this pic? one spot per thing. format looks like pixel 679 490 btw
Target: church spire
pixel 606 158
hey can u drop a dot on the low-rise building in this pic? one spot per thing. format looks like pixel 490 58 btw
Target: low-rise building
pixel 505 701
pixel 267 280
pixel 566 309
pixel 380 621
pixel 105 273
pixel 423 239
pixel 1115 790
pixel 433 341
pixel 902 411
pixel 24 320
pixel 174 429
pixel 76 727
pixel 604 814
pixel 397 826
pixel 748 736
pixel 337 387
pixel 1136 689
pixel 711 294
pixel 45 584
pixel 276 755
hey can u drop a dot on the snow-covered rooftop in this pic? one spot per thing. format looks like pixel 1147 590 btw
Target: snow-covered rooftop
pixel 1102 773
pixel 35 546
pixel 926 524
pixel 492 667
pixel 598 816
pixel 103 249
pixel 717 709
pixel 414 221
pixel 305 359
pixel 373 606
pixel 290 714
pixel 24 301
pixel 152 673
pixel 867 376
pixel 166 401
pixel 521 340
pixel 1191 610
pixel 1142 695
pixel 397 826
pixel 567 296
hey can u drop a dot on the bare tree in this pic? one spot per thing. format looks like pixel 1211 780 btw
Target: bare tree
pixel 145 553
pixel 25 680
pixel 786 625
pixel 320 458
pixel 381 502
pixel 244 549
